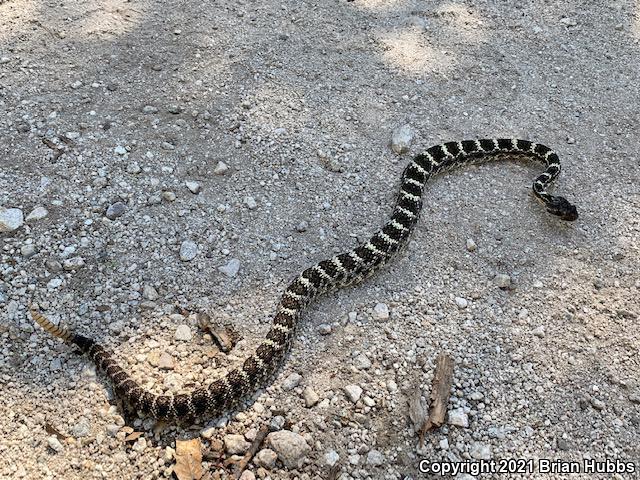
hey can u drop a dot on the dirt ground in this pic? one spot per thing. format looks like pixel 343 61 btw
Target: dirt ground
pixel 202 154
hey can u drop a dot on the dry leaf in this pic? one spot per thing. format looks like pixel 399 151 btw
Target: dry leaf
pixel 188 460
pixel 132 437
pixel 51 430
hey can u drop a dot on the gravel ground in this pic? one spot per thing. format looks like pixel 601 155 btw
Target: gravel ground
pixel 203 154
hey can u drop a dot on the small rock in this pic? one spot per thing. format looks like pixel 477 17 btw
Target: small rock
pixel 235 444
pixel 597 404
pixel 392 386
pixel 169 196
pixel 331 458
pixel 54 283
pixel 74 263
pixel 381 311
pixel 149 109
pixel 444 444
pixel 81 429
pixel 194 187
pixel 276 423
pixel 36 214
pixel 302 226
pixel 324 329
pixel 28 250
pixel 116 210
pixel 266 458
pixel 166 360
pixel 310 397
pixel 458 418
pixel 375 458
pixel 140 445
pixel 53 265
pixel 10 219
pixel 401 139
pixel 471 245
pixel 133 168
pixel 290 447
pixel 183 332
pixel 54 444
pixel 231 269
pixel 188 251
pixel 247 475
pixel 250 202
pixel 221 168
pixel 480 451
pixel 292 381
pixel 461 302
pixel 353 392
pixel 120 150
pixel 362 362
pixel 150 293
pixel 538 331
pixel 502 281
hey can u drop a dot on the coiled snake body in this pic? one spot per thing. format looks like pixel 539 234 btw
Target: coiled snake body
pixel 341 270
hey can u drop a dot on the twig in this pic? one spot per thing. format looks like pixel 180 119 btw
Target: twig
pixel 440 392
pixel 241 464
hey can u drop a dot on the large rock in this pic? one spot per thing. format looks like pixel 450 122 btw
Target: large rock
pixel 10 219
pixel 290 447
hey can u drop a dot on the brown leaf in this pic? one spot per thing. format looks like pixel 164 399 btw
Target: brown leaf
pixel 188 460
pixel 51 430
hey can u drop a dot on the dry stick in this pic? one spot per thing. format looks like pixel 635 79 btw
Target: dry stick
pixel 440 392
pixel 255 446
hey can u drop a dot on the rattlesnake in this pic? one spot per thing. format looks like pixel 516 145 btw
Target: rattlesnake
pixel 341 270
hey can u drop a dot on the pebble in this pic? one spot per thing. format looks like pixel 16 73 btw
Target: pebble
pixel 188 250
pixel 381 311
pixel 235 444
pixel 471 245
pixel 148 109
pixel 36 214
pixel 73 263
pixel 54 283
pixel 247 475
pixel 310 397
pixel 194 187
pixel 597 404
pixel 169 196
pixel 266 458
pixel 55 444
pixel 331 458
pixel 276 423
pixel 480 451
pixel 292 381
pixel 133 168
pixel 290 447
pixel 401 139
pixel 324 329
pixel 538 331
pixel 221 168
pixel 140 445
pixel 150 293
pixel 53 265
pixel 302 226
pixel 362 362
pixel 116 210
pixel 81 429
pixel 458 418
pixel 231 269
pixel 166 360
pixel 461 302
pixel 250 202
pixel 375 458
pixel 28 250
pixel 120 150
pixel 502 280
pixel 183 332
pixel 10 219
pixel 353 392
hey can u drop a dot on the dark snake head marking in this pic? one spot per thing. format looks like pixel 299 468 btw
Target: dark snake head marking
pixel 560 207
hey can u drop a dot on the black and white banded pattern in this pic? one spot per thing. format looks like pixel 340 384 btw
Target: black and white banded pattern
pixel 341 270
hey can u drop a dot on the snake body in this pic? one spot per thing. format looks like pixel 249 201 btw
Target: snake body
pixel 345 269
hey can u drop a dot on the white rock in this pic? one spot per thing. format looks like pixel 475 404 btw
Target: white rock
pixel 54 283
pixel 292 381
pixel 290 447
pixel 331 458
pixel 502 280
pixel 120 150
pixel 221 168
pixel 231 269
pixel 538 331
pixel 310 397
pixel 461 302
pixel 28 250
pixel 458 418
pixel 36 214
pixel 235 444
pixel 471 245
pixel 54 444
pixel 140 445
pixel 81 429
pixel 392 386
pixel 401 139
pixel 188 251
pixel 73 263
pixel 266 458
pixel 183 332
pixel 169 196
pixel 480 451
pixel 381 311
pixel 10 219
pixel 362 362
pixel 194 187
pixel 353 392
pixel 375 458
pixel 250 202
pixel 247 475
pixel 133 168
pixel 444 444
pixel 150 293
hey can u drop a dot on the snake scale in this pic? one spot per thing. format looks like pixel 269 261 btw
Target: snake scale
pixel 345 269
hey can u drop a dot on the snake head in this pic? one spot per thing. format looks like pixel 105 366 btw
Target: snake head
pixel 560 207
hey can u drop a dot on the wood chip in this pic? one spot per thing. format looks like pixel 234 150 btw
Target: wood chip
pixel 440 392
pixel 132 437
pixel 188 460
